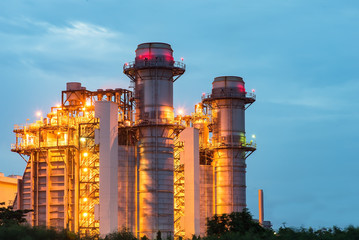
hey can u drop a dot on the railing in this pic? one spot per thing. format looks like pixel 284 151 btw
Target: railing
pixel 229 94
pixel 154 63
pixel 239 145
pixel 34 145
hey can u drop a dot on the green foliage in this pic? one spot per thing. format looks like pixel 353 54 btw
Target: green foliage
pixel 158 236
pixel 145 238
pixel 10 217
pixel 237 225
pixel 25 232
pixel 124 234
pixel 335 233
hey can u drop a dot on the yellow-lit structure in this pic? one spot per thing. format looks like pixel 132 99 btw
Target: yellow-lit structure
pixel 8 189
pixel 172 171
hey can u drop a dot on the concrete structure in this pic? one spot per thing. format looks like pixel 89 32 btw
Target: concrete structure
pixel 8 188
pixel 108 142
pixel 190 159
pixel 113 158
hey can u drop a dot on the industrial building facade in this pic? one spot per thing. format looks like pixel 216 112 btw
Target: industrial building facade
pixel 114 158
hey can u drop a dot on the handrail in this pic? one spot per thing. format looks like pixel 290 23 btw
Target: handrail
pixel 231 94
pixel 154 63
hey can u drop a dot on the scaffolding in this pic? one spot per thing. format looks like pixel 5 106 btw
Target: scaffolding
pixel 179 189
pixel 89 179
pixel 61 179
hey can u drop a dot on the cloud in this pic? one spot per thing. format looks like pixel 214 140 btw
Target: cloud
pixel 338 96
pixel 82 29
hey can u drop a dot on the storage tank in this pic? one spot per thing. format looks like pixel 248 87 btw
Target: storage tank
pixel 153 73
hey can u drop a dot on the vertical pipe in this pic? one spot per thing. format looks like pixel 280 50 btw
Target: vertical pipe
pixel 260 206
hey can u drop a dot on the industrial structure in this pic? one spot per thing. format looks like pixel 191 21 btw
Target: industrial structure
pixel 114 158
pixel 8 188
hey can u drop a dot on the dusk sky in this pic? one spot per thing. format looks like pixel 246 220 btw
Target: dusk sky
pixel 300 56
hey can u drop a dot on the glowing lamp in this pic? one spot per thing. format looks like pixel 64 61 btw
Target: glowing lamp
pixel 85 214
pixel 85 169
pixel 85 154
pixel 253 136
pixel 180 112
pixel 182 59
pixel 253 90
pixel 84 199
pixel 83 139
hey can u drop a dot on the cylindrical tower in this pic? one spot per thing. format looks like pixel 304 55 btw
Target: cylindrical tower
pixel 228 101
pixel 153 73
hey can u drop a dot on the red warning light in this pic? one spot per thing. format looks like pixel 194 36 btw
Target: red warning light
pixel 126 64
pixel 182 59
pixel 241 88
pixel 253 90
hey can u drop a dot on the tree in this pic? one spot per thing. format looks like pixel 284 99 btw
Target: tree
pixel 9 216
pixel 237 225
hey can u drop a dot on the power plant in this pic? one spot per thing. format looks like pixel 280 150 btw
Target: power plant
pixel 113 158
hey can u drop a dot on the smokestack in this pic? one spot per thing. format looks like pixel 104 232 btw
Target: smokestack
pixel 260 207
pixel 153 73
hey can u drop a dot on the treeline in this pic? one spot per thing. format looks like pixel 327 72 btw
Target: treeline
pixel 241 226
pixel 238 226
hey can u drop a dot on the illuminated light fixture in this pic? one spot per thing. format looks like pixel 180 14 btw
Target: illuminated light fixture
pixel 58 133
pixel 84 199
pixel 38 114
pixel 253 136
pixel 253 90
pixel 83 139
pixel 182 59
pixel 180 112
pixel 126 64
pixel 85 154
pixel 85 169
pixel 83 109
pixel 58 105
pixel 85 214
pixel 88 103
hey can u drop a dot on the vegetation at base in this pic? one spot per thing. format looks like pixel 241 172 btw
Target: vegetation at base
pixel 8 216
pixel 238 226
pixel 241 226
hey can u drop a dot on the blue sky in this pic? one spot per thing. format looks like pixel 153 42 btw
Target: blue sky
pixel 301 56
